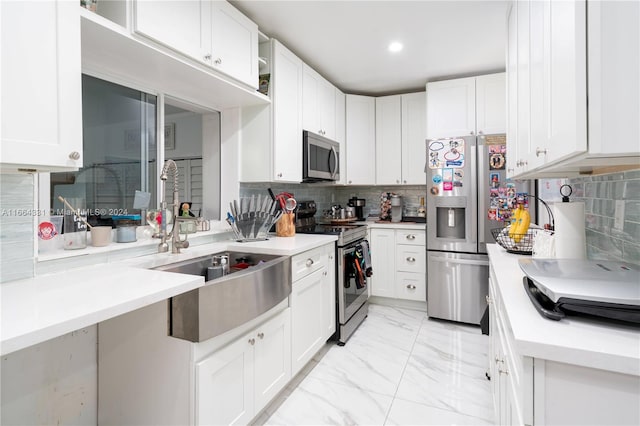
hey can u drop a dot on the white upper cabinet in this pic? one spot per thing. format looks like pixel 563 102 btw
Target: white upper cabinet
pixel 466 106
pixel 271 147
pixel 234 43
pixel 451 109
pixel 400 139
pixel 341 103
pixel 211 31
pixel 176 24
pixel 319 104
pixel 568 52
pixel 41 106
pixel 388 140
pixel 414 134
pixel 360 140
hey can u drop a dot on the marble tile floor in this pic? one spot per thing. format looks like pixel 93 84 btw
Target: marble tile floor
pixel 398 368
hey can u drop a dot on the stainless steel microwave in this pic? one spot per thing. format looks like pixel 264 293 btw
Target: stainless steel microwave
pixel 320 158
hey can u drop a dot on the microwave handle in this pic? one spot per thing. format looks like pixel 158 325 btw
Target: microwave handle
pixel 335 155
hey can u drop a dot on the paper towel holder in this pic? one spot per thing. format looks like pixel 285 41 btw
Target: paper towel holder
pixel 565 195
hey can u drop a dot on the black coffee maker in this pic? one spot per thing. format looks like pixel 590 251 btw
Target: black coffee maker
pixel 359 204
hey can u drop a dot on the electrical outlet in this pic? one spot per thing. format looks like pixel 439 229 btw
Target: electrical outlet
pixel 618 222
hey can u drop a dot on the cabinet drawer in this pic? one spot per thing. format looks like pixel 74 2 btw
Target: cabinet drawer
pixel 411 286
pixel 411 258
pixel 417 238
pixel 305 263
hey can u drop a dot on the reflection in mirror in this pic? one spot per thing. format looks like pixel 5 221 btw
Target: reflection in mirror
pixel 192 140
pixel 119 149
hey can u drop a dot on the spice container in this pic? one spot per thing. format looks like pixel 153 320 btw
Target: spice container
pixel 126 226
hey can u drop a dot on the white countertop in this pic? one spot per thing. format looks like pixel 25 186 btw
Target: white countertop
pixel 50 305
pixel 572 340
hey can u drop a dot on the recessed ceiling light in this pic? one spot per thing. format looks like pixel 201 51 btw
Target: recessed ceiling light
pixel 395 46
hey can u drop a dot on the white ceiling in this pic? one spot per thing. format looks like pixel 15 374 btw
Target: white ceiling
pixel 346 41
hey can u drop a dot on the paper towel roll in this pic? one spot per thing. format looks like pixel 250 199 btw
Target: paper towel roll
pixel 570 238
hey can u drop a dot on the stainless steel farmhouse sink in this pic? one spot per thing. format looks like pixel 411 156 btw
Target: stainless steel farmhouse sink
pixel 255 284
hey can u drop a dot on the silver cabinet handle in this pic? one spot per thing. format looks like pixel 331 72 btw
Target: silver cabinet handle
pixel 252 341
pixel 397 180
pixel 471 132
pixel 411 237
pixel 261 335
pixel 411 286
pixel 309 262
pixel 330 257
pixel 404 181
pixel 540 151
pixel 480 132
pixel 74 155
pixel 411 259
pixel 279 175
pixel 207 57
pixel 218 61
pixel 488 299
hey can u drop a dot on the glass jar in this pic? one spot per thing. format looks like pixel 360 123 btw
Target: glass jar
pixel 126 226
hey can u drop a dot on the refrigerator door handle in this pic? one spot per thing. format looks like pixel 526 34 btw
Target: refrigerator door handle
pixel 474 193
pixel 461 261
pixel 483 185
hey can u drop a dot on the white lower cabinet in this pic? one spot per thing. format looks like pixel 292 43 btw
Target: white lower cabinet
pixel 147 377
pixel 537 391
pixel 312 304
pixel 398 257
pixel 236 382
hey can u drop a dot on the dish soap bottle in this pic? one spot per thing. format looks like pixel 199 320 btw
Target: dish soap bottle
pixel 422 212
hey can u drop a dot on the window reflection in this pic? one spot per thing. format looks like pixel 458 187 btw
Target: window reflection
pixel 119 146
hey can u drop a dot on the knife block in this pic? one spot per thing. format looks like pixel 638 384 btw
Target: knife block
pixel 286 225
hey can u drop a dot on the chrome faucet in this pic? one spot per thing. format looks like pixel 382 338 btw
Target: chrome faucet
pixel 176 244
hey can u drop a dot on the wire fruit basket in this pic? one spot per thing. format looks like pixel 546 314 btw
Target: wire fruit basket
pixel 518 244
pixel 521 243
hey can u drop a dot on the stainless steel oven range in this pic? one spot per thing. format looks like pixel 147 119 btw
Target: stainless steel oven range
pixel 353 268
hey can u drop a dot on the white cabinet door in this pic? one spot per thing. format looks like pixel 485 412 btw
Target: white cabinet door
pixel 224 385
pixel 327 108
pixel 451 108
pixel 360 140
pixel 329 294
pixel 318 104
pixel 388 131
pixel 513 159
pixel 176 24
pixel 414 133
pixel 534 154
pixel 522 89
pixel 306 319
pixel 41 102
pixel 234 43
pixel 310 95
pixel 568 80
pixel 287 115
pixel 383 258
pixel 341 101
pixel 491 95
pixel 272 358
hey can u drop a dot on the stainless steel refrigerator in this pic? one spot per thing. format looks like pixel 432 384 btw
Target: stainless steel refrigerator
pixel 468 194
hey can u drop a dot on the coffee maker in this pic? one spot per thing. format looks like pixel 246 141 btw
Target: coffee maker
pixel 396 208
pixel 359 204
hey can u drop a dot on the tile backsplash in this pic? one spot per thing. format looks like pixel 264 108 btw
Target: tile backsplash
pixel 327 195
pixel 16 226
pixel 602 195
